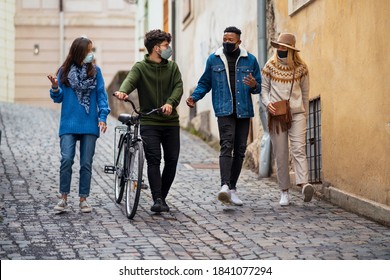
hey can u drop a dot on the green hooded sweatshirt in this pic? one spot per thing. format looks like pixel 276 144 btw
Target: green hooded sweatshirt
pixel 157 84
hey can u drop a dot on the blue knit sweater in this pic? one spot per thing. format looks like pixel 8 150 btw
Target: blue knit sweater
pixel 74 119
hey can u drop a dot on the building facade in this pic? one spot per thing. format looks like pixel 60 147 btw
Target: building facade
pixel 45 29
pixel 340 40
pixel 199 27
pixel 345 49
pixel 7 54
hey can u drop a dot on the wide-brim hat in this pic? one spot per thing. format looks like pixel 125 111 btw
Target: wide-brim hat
pixel 285 39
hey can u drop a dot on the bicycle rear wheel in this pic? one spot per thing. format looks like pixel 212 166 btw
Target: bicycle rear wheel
pixel 120 165
pixel 134 182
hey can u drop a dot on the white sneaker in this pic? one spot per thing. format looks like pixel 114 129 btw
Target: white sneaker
pixel 224 195
pixel 234 198
pixel 284 198
pixel 61 205
pixel 85 207
pixel 307 191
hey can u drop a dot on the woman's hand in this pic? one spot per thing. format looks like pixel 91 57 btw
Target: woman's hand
pixel 120 95
pixel 53 80
pixel 103 127
pixel 271 109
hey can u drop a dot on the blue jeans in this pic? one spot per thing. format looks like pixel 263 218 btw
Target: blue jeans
pixel 68 150
pixel 233 134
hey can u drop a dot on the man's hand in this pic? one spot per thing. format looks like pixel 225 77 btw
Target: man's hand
pixel 190 102
pixel 250 81
pixel 120 95
pixel 166 109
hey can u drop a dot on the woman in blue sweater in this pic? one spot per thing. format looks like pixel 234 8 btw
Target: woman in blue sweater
pixel 79 86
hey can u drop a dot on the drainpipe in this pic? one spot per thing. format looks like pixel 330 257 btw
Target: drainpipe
pixel 265 145
pixel 62 51
pixel 173 16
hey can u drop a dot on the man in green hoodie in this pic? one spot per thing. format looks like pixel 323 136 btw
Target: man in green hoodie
pixel 159 84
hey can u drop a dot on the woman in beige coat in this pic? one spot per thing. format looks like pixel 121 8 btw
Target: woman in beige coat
pixel 286 76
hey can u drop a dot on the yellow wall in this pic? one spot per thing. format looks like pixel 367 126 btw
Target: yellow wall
pixel 346 46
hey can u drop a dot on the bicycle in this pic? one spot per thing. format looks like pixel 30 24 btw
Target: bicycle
pixel 129 160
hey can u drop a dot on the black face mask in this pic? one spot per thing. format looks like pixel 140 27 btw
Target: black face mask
pixel 229 47
pixel 282 54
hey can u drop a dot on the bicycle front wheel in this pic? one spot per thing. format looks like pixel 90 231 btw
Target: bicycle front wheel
pixel 134 182
pixel 120 167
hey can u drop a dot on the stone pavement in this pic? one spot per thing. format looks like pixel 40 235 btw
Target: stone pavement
pixel 198 226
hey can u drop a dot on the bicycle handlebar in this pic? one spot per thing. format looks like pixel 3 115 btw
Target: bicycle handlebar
pixel 156 110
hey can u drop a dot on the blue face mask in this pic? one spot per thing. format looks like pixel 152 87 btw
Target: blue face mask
pixel 88 58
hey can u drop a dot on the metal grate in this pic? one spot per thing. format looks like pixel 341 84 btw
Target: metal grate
pixel 313 141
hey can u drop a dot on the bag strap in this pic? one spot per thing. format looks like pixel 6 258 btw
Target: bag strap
pixel 292 85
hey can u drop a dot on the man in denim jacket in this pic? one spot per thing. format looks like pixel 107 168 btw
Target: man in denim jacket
pixel 232 74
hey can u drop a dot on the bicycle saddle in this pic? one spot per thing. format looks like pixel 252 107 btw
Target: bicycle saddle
pixel 127 118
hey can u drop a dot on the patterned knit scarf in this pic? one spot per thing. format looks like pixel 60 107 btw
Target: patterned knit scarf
pixel 82 84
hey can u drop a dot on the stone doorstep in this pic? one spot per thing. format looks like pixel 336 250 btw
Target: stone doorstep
pixel 356 204
pixel 350 202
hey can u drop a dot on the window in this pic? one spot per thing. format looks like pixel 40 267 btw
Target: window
pixel 313 141
pixel 296 5
pixel 187 13
pixel 166 16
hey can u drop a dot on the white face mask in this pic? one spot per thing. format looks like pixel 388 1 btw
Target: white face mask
pixel 88 58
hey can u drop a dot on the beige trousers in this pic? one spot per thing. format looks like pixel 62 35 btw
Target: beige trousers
pixel 280 146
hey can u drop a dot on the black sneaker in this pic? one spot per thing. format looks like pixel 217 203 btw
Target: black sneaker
pixel 157 206
pixel 165 207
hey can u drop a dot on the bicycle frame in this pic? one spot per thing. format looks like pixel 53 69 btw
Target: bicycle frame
pixel 128 177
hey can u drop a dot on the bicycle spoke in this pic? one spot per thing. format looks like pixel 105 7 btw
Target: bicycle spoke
pixel 134 184
pixel 119 172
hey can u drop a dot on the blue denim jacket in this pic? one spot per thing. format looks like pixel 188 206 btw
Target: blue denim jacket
pixel 216 79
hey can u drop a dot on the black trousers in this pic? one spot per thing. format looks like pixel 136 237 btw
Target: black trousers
pixel 155 137
pixel 233 135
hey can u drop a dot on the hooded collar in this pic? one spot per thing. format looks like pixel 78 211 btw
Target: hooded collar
pixel 163 62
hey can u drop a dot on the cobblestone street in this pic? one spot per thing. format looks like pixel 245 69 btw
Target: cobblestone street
pixel 198 227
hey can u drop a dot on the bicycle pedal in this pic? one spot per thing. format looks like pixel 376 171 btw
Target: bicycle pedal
pixel 144 186
pixel 109 169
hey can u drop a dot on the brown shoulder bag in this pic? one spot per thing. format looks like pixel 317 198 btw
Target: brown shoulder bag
pixel 282 117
